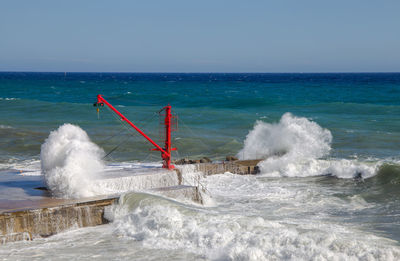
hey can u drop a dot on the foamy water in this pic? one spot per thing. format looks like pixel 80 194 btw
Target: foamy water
pixel 299 147
pixel 70 162
pixel 305 205
pixel 255 218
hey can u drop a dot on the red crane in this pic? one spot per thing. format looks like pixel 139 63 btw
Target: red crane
pixel 168 123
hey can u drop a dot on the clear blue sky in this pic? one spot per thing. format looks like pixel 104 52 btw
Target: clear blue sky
pixel 200 36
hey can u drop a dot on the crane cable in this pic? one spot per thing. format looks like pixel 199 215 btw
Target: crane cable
pixel 133 133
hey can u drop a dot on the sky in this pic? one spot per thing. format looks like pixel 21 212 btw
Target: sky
pixel 200 36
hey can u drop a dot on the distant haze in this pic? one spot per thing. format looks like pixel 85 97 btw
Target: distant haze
pixel 200 36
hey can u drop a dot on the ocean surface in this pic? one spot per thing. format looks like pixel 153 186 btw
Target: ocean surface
pixel 329 187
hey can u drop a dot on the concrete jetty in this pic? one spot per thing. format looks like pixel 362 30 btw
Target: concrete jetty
pixel 49 216
pixel 32 213
pixel 28 210
pixel 240 167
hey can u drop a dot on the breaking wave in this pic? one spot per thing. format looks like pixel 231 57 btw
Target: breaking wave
pixel 70 161
pixel 386 182
pixel 298 147
pixel 72 167
pixel 164 224
pixel 294 137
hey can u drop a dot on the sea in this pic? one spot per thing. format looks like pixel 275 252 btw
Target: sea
pixel 329 181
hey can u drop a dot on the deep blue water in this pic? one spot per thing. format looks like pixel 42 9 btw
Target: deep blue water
pixel 216 111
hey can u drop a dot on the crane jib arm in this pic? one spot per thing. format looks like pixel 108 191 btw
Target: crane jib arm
pixel 165 152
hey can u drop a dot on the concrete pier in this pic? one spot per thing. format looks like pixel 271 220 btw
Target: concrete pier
pixel 33 213
pixel 54 218
pixel 240 167
pixel 49 216
pixel 27 213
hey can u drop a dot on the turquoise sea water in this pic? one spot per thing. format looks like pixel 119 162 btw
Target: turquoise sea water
pixel 216 111
pixel 329 187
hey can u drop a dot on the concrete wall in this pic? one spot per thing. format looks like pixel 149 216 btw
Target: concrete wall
pixel 44 222
pixel 240 167
pixel 57 216
pixel 51 216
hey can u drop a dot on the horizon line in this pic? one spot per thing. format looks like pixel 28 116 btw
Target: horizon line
pixel 144 72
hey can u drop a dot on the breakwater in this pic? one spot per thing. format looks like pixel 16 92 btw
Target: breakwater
pixel 240 167
pixel 50 216
pixel 44 216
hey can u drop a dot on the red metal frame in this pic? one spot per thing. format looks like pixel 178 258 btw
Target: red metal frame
pixel 165 152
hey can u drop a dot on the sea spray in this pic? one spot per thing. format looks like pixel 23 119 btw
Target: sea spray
pixel 192 177
pixel 70 161
pixel 296 137
pixel 299 147
pixel 158 223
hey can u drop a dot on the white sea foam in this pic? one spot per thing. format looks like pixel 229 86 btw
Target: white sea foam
pixel 298 147
pixel 294 137
pixel 5 127
pixel 161 224
pixel 72 167
pixel 9 99
pixel 195 178
pixel 30 167
pixel 189 175
pixel 70 162
pixel 257 218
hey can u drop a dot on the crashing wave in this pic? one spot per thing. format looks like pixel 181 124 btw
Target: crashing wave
pixel 70 162
pixel 299 147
